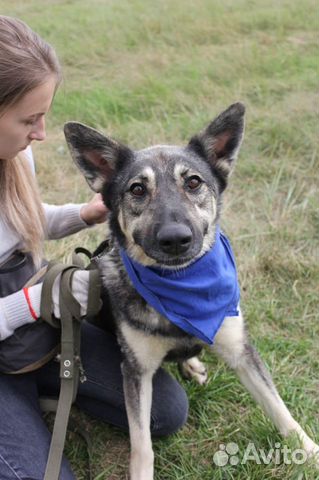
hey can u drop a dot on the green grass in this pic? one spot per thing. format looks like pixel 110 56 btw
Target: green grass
pixel 150 72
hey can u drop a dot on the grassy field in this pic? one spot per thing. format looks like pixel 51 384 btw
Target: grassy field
pixel 151 72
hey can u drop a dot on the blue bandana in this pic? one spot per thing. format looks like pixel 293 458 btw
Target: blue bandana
pixel 196 298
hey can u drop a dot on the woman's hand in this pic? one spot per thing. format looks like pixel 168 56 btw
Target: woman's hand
pixel 94 211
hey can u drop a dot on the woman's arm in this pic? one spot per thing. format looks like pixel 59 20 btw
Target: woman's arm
pixel 23 306
pixel 15 310
pixel 66 219
pixel 63 220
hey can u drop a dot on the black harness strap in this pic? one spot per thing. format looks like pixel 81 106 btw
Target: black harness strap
pixel 70 363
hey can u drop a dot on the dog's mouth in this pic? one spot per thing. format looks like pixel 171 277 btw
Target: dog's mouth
pixel 168 252
pixel 180 261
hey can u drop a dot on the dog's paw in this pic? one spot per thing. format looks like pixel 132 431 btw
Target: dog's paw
pixel 312 450
pixel 194 369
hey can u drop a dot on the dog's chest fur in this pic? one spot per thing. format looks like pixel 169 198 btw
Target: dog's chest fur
pixel 137 322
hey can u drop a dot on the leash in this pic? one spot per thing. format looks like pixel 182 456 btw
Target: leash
pixel 71 369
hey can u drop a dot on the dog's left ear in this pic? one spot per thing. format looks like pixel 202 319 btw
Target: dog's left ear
pixel 219 143
pixel 96 155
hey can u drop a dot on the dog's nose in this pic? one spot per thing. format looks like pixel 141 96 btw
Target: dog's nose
pixel 174 238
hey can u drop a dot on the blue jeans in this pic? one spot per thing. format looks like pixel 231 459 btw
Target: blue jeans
pixel 24 437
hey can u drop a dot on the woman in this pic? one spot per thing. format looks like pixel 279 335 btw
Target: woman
pixel 29 76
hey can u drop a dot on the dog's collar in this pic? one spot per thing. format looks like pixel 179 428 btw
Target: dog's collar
pixel 197 298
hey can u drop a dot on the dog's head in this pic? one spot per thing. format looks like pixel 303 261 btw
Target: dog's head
pixel 164 200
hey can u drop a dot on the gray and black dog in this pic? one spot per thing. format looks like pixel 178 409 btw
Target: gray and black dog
pixel 165 204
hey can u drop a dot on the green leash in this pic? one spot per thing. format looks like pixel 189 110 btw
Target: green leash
pixel 71 370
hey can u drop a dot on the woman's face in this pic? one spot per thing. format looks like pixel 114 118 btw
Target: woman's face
pixel 25 121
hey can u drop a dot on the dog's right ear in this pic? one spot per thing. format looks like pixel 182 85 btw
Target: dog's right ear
pixel 96 155
pixel 220 142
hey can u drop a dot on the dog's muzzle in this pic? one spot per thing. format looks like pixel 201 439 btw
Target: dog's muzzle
pixel 174 238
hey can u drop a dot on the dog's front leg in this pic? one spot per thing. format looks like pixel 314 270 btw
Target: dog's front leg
pixel 143 355
pixel 138 401
pixel 231 343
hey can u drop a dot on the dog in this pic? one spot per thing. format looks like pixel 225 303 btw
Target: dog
pixel 165 204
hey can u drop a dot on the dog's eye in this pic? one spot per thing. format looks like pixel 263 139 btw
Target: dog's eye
pixel 138 189
pixel 193 182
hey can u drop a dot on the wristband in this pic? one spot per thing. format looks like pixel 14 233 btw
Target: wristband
pixel 27 297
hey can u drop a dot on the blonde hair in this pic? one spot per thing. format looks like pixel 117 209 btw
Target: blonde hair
pixel 20 198
pixel 26 61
